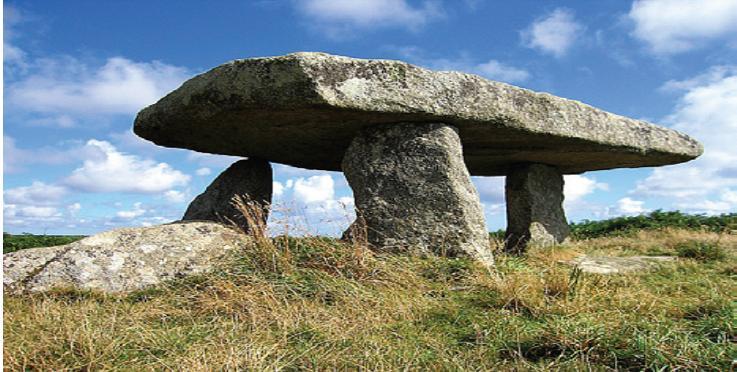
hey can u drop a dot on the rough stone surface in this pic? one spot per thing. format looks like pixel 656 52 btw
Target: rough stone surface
pixel 618 265
pixel 252 177
pixel 413 191
pixel 121 260
pixel 535 215
pixel 283 109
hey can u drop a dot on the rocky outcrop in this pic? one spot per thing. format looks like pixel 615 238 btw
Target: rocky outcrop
pixel 413 192
pixel 250 179
pixel 618 265
pixel 122 260
pixel 534 194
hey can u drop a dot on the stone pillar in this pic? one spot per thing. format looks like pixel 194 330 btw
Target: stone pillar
pixel 413 192
pixel 251 179
pixel 534 194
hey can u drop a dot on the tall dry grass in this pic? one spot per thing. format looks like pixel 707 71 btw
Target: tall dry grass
pixel 316 303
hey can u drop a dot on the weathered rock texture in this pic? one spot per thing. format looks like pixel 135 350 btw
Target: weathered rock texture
pixel 251 179
pixel 304 109
pixel 122 260
pixel 618 265
pixel 413 191
pixel 534 194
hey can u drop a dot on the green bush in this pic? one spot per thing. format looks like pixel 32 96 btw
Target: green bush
pixel 700 250
pixel 652 221
pixel 12 243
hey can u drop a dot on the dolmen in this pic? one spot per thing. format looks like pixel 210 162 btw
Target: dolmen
pixel 407 139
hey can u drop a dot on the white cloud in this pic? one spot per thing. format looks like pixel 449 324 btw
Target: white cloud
pixel 68 86
pixel 706 111
pixel 204 171
pixel 629 206
pixel 174 196
pixel 674 26
pixel 278 188
pixel 496 70
pixel 491 69
pixel 74 208
pixel 577 186
pixel 314 189
pixel 491 189
pixel 554 33
pixel 12 55
pixel 137 211
pixel 336 17
pixel 16 158
pixel 212 160
pixel 38 212
pixel 38 193
pixel 109 170
pixel 59 121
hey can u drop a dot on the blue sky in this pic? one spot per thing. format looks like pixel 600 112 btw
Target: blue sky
pixel 77 72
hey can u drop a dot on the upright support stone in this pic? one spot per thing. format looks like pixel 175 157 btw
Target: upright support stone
pixel 535 215
pixel 251 179
pixel 413 191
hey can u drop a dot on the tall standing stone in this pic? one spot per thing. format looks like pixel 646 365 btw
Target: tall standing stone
pixel 413 191
pixel 251 179
pixel 535 215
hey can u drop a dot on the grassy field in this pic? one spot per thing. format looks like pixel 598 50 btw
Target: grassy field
pixel 314 303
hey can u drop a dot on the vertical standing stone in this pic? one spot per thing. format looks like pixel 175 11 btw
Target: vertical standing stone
pixel 413 191
pixel 250 179
pixel 535 214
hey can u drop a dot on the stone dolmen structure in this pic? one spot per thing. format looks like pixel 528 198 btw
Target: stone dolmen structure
pixel 408 139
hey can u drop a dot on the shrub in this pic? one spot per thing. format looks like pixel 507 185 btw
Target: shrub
pixel 700 250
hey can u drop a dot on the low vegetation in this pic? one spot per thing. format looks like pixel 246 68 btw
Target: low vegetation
pixel 12 243
pixel 653 221
pixel 316 303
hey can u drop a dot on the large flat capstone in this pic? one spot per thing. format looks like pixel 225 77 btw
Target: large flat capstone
pixel 304 109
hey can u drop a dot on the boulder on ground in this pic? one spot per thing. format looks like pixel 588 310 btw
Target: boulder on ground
pixel 250 179
pixel 122 260
pixel 618 265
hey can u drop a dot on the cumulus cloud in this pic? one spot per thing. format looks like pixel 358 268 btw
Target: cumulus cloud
pixel 491 189
pixel 109 170
pixel 496 70
pixel 705 111
pixel 492 68
pixel 336 17
pixel 675 26
pixel 314 189
pixel 554 33
pixel 576 187
pixel 64 85
pixel 38 193
pixel 630 207
pixel 35 204
pixel 12 54
pixel 278 188
pixel 16 158
pixel 137 211
pixel 174 196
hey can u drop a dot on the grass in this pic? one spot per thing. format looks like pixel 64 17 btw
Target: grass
pixel 315 303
